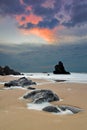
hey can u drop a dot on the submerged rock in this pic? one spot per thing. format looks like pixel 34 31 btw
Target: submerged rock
pixel 20 82
pixel 71 108
pixel 60 69
pixel 8 71
pixel 40 96
pixel 62 109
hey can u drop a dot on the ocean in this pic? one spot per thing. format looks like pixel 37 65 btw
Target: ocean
pixel 43 58
pixel 71 78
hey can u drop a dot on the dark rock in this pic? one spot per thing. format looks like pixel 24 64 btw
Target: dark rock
pixel 25 82
pixel 59 69
pixel 51 109
pixel 11 83
pixel 20 82
pixel 31 88
pixel 62 108
pixel 40 96
pixel 7 71
pixel 74 110
pixel 60 80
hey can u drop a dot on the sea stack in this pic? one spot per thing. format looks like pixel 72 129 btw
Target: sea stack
pixel 60 69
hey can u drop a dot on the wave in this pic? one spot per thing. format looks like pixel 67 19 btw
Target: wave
pixel 72 78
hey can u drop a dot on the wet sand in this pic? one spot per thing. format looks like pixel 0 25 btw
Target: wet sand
pixel 14 114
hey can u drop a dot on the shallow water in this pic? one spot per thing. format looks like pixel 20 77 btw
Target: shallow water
pixel 39 107
pixel 72 78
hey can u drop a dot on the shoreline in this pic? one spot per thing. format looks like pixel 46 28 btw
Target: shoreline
pixel 15 115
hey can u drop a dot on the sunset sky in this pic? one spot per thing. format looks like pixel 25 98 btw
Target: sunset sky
pixel 41 22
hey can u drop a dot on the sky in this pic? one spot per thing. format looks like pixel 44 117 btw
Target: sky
pixel 43 21
pixel 26 25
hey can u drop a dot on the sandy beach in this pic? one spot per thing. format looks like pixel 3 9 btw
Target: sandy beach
pixel 14 114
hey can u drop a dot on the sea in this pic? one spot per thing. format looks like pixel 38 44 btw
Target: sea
pixel 69 78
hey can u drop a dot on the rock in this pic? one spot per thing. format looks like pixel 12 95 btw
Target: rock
pixel 74 110
pixel 59 80
pixel 40 96
pixel 31 88
pixel 25 82
pixel 61 109
pixel 7 71
pixel 51 109
pixel 11 83
pixel 20 82
pixel 59 69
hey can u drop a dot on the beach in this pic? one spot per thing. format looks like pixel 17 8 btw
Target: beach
pixel 14 114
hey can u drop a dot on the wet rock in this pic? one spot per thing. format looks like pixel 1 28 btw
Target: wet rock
pixel 62 109
pixel 40 96
pixel 51 109
pixel 11 83
pixel 31 88
pixel 73 109
pixel 8 71
pixel 60 69
pixel 20 82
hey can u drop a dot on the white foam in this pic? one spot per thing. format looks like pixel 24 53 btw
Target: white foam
pixel 2 83
pixel 37 106
pixel 14 87
pixel 72 78
pixel 64 112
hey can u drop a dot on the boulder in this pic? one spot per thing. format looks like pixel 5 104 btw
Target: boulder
pixel 40 96
pixel 20 82
pixel 51 109
pixel 8 71
pixel 60 69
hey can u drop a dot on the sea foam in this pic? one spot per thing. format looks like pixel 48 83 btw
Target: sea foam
pixel 71 78
pixel 40 107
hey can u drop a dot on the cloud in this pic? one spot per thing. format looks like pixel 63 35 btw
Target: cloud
pixel 43 33
pixel 78 14
pixel 48 24
pixel 45 15
pixel 42 24
pixel 33 2
pixel 25 19
pixel 9 7
pixel 67 12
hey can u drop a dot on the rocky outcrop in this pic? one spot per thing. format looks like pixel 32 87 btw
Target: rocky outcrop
pixel 40 96
pixel 8 71
pixel 20 82
pixel 59 69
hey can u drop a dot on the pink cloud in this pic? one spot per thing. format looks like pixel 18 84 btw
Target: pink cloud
pixel 28 19
pixel 44 33
pixel 22 2
pixel 48 4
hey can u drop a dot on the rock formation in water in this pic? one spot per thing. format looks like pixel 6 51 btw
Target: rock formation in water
pixel 23 82
pixel 8 71
pixel 60 69
pixel 63 109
